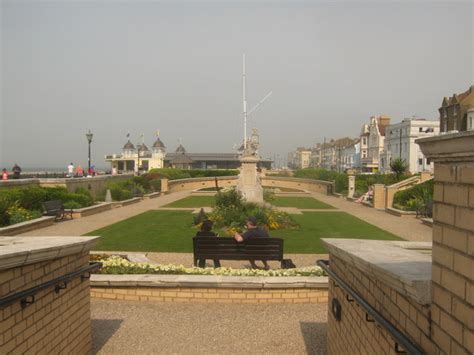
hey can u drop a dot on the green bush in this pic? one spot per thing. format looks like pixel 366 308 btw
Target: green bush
pixel 174 174
pixel 72 204
pixel 413 198
pixel 231 213
pixel 31 199
pixel 18 214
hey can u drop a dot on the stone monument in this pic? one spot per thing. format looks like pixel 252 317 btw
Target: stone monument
pixel 249 183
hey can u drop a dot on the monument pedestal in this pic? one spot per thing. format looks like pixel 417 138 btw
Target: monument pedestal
pixel 249 183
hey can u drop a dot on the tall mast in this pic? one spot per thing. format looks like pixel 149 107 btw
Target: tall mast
pixel 244 101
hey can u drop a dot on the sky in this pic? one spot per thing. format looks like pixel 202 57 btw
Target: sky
pixel 141 66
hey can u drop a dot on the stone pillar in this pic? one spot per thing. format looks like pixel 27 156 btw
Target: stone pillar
pixel 379 196
pixel 453 241
pixel 389 195
pixel 249 182
pixel 164 185
pixel 425 175
pixel 351 188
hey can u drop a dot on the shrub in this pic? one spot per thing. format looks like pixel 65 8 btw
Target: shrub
pixel 31 200
pixel 410 199
pixel 174 174
pixel 72 204
pixel 231 213
pixel 18 214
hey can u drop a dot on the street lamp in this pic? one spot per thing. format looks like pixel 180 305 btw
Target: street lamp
pixel 89 136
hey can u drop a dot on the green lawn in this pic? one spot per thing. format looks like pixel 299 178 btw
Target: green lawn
pixel 299 202
pixel 171 231
pixel 193 201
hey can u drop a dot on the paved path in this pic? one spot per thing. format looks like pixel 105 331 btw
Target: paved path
pixel 81 226
pixel 127 327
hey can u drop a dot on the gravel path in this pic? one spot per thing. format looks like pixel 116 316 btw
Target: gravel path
pixel 126 327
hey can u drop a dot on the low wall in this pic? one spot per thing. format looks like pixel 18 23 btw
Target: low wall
pixel 19 184
pixel 200 183
pixel 26 226
pixel 95 185
pixel 324 187
pixel 395 281
pixel 55 322
pixel 210 288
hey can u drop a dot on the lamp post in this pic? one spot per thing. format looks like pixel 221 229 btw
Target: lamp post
pixel 89 136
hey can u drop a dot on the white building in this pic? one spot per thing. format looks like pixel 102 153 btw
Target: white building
pixel 141 158
pixel 400 143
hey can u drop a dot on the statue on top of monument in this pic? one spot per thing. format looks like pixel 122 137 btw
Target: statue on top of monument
pixel 252 145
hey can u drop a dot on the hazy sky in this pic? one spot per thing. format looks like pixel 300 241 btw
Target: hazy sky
pixel 118 67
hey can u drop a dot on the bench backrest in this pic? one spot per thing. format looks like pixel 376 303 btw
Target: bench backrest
pixel 230 249
pixel 53 206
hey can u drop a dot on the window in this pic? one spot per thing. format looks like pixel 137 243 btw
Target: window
pixel 364 141
pixel 470 121
pixel 420 129
pixel 420 161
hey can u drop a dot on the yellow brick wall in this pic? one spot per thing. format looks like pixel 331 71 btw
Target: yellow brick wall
pixel 212 295
pixel 54 323
pixel 453 257
pixel 354 335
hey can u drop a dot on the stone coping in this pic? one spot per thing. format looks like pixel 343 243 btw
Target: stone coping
pixel 151 195
pixel 405 270
pixel 208 281
pixel 400 213
pixel 448 147
pixel 17 251
pixel 26 226
pixel 90 210
pixel 126 202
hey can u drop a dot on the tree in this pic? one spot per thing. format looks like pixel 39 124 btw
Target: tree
pixel 399 167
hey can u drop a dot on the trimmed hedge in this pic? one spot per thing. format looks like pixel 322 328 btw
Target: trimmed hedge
pixel 174 174
pixel 31 199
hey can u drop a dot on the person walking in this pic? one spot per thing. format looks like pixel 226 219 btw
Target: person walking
pixel 70 170
pixel 253 231
pixel 206 231
pixel 16 171
pixel 4 174
pixel 79 171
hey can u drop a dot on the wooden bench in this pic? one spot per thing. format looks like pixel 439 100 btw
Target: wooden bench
pixel 56 208
pixel 229 249
pixel 425 210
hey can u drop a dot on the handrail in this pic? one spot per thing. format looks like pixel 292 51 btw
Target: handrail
pixel 399 337
pixel 58 283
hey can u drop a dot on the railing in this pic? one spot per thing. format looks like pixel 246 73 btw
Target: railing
pixel 27 297
pixel 371 315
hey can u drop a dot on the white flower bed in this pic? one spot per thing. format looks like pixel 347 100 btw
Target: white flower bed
pixel 118 265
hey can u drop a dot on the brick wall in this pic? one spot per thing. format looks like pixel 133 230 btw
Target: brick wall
pixel 453 241
pixel 54 323
pixel 354 332
pixel 453 257
pixel 212 295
